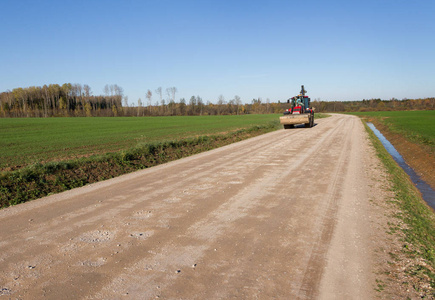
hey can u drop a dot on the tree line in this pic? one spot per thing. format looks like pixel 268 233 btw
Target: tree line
pixel 59 100
pixel 77 100
pixel 374 105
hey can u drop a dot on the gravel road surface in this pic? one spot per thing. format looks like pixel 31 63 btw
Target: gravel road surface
pixel 284 215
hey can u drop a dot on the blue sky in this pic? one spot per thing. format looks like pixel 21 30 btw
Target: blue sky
pixel 340 50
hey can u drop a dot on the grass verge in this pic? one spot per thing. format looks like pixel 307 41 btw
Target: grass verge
pixel 418 227
pixel 40 180
pixel 321 115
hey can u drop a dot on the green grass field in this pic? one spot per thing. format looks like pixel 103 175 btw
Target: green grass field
pixel 417 126
pixel 27 141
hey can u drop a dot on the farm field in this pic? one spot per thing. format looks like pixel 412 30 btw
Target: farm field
pixel 26 141
pixel 413 134
pixel 417 126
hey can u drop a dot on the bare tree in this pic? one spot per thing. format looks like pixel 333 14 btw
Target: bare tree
pixel 139 105
pixel 171 106
pixel 126 101
pixel 119 92
pixel 168 93
pixel 174 91
pixel 200 104
pixel 238 102
pixel 182 106
pixel 148 96
pixel 87 90
pixel 66 88
pixel 106 90
pixel 192 105
pixel 79 89
pixel 163 107
pixel 171 92
pixel 159 92
pixel 221 102
pixel 45 95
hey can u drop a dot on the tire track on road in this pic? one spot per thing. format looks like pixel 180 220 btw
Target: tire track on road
pixel 316 263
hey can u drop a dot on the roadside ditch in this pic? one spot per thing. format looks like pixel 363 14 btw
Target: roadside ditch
pixel 425 189
pixel 414 266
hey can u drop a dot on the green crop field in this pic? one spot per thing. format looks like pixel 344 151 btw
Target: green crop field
pixel 26 141
pixel 418 126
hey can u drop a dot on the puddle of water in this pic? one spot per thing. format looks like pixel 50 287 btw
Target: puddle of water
pixel 427 192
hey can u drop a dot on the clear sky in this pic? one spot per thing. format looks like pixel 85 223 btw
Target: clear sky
pixel 340 50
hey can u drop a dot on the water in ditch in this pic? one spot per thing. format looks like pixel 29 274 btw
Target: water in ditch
pixel 427 192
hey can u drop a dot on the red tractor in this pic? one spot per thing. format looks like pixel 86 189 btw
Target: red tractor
pixel 299 113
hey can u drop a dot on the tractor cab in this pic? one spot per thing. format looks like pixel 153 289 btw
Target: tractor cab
pixel 299 104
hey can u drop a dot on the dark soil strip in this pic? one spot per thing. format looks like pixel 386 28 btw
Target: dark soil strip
pixel 40 180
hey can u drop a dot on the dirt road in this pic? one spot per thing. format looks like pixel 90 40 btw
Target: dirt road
pixel 284 215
